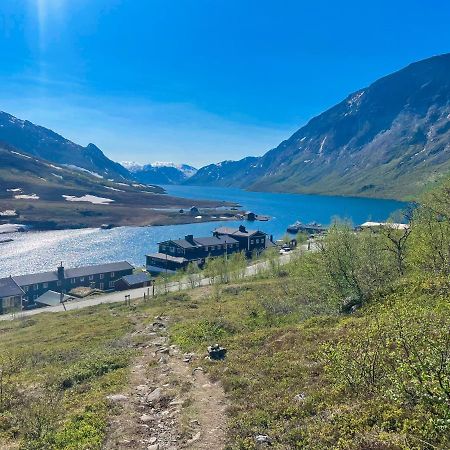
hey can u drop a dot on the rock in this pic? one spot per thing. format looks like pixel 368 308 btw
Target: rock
pixel 153 447
pixel 199 369
pixel 153 440
pixel 141 387
pixel 146 418
pixel 176 402
pixel 117 398
pixel 163 360
pixel 187 357
pixel 195 438
pixel 164 350
pixel 154 396
pixel 158 325
pixel 263 439
pixel 300 398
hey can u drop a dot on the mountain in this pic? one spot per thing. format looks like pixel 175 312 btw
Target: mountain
pixel 160 172
pixel 46 144
pixel 391 139
pixel 47 195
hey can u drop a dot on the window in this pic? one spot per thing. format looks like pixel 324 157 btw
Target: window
pixel 25 288
pixel 252 241
pixel 112 275
pixel 172 249
pixel 45 285
pixel 111 284
pixel 35 296
pixel 91 277
pixel 102 286
pixel 102 275
pixel 58 283
pixel 36 287
pixel 73 280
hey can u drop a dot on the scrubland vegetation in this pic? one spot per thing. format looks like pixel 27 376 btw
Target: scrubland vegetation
pixel 346 347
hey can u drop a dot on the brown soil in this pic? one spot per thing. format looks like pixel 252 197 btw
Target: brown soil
pixel 170 403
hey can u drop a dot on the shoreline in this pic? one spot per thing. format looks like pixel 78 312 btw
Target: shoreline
pixel 31 226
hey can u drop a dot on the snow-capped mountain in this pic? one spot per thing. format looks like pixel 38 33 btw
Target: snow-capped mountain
pixel 160 172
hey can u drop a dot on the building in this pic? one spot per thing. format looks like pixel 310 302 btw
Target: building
pixel 375 225
pixel 102 276
pixel 11 295
pixel 135 281
pixel 174 255
pixel 249 240
pixel 52 298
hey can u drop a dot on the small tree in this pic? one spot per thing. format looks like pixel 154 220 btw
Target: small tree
pixel 193 274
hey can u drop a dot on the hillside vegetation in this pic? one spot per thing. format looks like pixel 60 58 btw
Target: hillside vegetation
pixel 347 347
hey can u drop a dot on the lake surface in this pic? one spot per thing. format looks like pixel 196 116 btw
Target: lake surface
pixel 41 251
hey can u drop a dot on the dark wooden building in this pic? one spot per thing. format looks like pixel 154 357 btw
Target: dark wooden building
pixel 11 295
pixel 102 277
pixel 134 281
pixel 249 241
pixel 176 254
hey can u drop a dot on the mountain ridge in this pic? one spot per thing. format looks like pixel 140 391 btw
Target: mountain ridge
pixel 390 139
pixel 46 144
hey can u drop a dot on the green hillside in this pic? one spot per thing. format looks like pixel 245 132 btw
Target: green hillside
pixel 347 347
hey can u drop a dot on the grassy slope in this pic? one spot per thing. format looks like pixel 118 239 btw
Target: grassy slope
pixel 275 342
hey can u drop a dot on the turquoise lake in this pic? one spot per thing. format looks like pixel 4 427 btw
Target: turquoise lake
pixel 40 251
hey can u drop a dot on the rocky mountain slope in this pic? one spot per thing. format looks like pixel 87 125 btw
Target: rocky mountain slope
pixel 46 195
pixel 391 139
pixel 160 172
pixel 46 144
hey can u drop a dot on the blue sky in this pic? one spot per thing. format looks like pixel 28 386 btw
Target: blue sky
pixel 199 81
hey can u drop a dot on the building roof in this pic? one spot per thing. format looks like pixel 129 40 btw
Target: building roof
pixel 34 278
pixel 100 268
pixel 52 298
pixel 47 277
pixel 202 241
pixel 394 226
pixel 164 256
pixel 9 288
pixel 215 240
pixel 136 278
pixel 237 231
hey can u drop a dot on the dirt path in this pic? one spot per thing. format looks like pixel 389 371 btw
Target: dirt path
pixel 170 403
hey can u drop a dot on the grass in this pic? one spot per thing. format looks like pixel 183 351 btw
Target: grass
pixel 276 376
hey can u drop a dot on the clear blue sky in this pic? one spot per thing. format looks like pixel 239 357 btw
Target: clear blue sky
pixel 200 81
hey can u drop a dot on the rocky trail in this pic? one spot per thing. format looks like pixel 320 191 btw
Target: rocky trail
pixel 170 402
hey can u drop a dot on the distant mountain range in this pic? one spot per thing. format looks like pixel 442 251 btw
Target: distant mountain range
pixel 391 139
pixel 160 172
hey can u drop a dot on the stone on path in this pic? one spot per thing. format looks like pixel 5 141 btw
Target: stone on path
pixel 117 398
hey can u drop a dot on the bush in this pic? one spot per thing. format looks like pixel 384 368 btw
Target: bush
pixel 95 365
